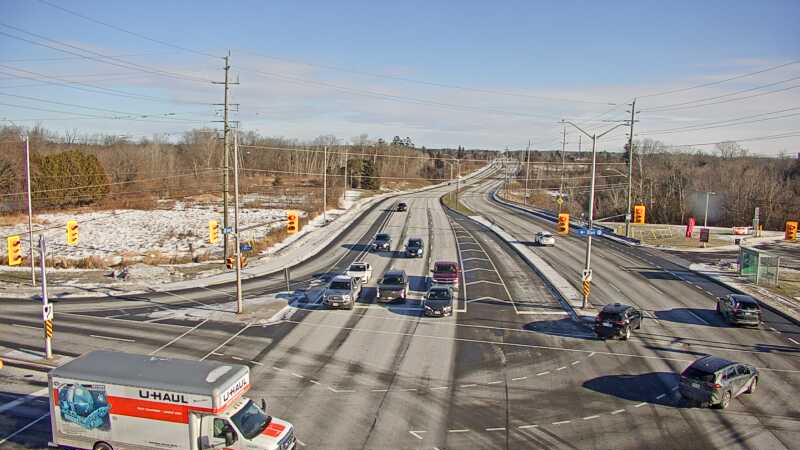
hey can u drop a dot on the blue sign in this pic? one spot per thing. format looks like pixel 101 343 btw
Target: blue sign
pixel 590 232
pixel 227 230
pixel 245 247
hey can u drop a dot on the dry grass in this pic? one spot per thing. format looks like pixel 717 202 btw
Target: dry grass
pixel 13 219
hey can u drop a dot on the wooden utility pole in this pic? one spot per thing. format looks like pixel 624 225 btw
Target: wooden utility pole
pixel 630 170
pixel 225 158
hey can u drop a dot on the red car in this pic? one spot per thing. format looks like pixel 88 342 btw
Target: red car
pixel 445 272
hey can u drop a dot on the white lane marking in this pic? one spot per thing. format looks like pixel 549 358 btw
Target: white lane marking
pixel 3 441
pixel 297 375
pixel 562 368
pixel 591 417
pixel 217 354
pixel 440 387
pixel 111 338
pixel 478 268
pixel 525 427
pixel 277 368
pixel 591 354
pixel 473 258
pixel 25 326
pixel 697 317
pixel 179 337
pixel 640 405
pixel 561 422
pixel 409 389
pixel 484 281
pixel 416 433
pixel 256 363
pixel 618 411
pixel 14 403
pixel 463 430
pixel 542 373
pixel 227 340
pixel 496 429
pixel 795 342
pixel 237 358
pixel 675 388
pixel 468 385
pixel 661 396
pixel 314 382
pixel 380 390
pixel 575 362
pixel 495 382
pixel 302 444
pixel 519 378
pixel 774 329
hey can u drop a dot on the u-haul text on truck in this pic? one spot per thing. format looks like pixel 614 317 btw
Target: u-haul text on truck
pixel 107 400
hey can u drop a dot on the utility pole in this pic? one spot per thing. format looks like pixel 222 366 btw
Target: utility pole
pixel 587 273
pixel 47 309
pixel 239 303
pixel 325 185
pixel 30 207
pixel 705 219
pixel 527 169
pixel 630 171
pixel 225 158
pixel 563 149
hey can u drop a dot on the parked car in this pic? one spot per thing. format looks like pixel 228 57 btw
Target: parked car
pixel 392 286
pixel 714 381
pixel 438 301
pixel 415 248
pixel 402 206
pixel 544 238
pixel 445 272
pixel 382 242
pixel 617 320
pixel 740 309
pixel 360 271
pixel 343 291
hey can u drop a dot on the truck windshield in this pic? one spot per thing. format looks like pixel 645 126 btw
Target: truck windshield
pixel 250 420
pixel 392 280
pixel 444 268
pixel 340 285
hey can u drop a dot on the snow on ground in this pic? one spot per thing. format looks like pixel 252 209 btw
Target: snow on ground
pixel 141 232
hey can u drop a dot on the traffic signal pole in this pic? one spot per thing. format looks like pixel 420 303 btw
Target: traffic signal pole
pixel 47 314
pixel 30 208
pixel 239 304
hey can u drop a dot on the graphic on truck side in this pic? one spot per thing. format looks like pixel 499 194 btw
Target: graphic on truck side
pixel 84 405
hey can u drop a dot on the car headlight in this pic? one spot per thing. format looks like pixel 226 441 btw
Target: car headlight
pixel 448 308
pixel 428 308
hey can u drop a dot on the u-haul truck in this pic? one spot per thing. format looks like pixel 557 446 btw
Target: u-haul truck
pixel 118 401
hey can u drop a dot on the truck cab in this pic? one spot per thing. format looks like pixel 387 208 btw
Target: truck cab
pixel 243 426
pixel 343 291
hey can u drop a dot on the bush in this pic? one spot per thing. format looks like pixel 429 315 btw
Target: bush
pixel 69 178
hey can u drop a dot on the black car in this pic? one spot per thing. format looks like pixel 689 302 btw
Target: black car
pixel 415 248
pixel 740 309
pixel 617 320
pixel 713 381
pixel 402 206
pixel 438 301
pixel 381 242
pixel 393 286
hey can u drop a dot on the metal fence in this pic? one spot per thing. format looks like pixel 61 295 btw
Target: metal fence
pixel 759 266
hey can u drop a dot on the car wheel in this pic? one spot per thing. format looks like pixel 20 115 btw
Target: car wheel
pixel 626 334
pixel 726 400
pixel 753 386
pixel 102 446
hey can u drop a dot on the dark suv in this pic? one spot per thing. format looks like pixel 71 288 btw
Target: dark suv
pixel 740 309
pixel 382 242
pixel 713 381
pixel 392 286
pixel 617 320
pixel 402 206
pixel 415 248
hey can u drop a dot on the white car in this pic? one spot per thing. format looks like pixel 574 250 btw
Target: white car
pixel 544 238
pixel 361 271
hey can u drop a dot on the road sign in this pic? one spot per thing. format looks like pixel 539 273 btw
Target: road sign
pixel 48 328
pixel 47 312
pixel 559 200
pixel 704 233
pixel 590 232
pixel 245 247
pixel 227 230
pixel 587 275
pixel 586 289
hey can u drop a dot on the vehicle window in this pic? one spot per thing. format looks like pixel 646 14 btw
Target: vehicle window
pixel 694 373
pixel 357 267
pixel 250 420
pixel 382 237
pixel 392 280
pixel 439 294
pixel 343 285
pixel 219 428
pixel 610 316
pixel 447 268
pixel 742 370
pixel 729 373
pixel 744 305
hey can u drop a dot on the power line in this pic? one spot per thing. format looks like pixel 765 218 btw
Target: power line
pixel 712 83
pixel 674 106
pixel 138 118
pixel 132 33
pixel 724 123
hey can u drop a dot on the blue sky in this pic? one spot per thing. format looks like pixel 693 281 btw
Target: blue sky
pixel 588 51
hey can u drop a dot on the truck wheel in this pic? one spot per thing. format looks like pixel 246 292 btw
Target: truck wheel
pixel 102 446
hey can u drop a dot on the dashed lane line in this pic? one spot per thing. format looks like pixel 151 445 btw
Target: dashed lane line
pixel 617 411
pixel 227 340
pixel 111 338
pixel 591 417
pixel 496 429
pixel 561 422
pixel 795 342
pixel 30 397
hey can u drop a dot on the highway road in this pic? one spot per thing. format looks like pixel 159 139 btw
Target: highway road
pixel 509 369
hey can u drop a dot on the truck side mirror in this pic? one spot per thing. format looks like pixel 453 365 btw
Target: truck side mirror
pixel 263 405
pixel 230 437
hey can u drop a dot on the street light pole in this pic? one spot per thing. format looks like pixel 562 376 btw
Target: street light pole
pixel 705 219
pixel 630 171
pixel 239 303
pixel 527 169
pixel 588 266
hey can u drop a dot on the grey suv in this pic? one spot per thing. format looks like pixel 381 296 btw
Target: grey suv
pixel 392 286
pixel 740 309
pixel 714 381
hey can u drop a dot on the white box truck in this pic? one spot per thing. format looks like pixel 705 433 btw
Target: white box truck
pixel 108 400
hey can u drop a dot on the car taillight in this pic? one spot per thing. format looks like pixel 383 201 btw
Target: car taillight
pixel 597 319
pixel 619 322
pixel 714 385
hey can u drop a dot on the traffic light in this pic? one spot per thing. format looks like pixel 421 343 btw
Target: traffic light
pixel 293 222
pixel 213 231
pixel 563 223
pixel 243 261
pixel 638 214
pixel 14 250
pixel 791 230
pixel 230 262
pixel 72 232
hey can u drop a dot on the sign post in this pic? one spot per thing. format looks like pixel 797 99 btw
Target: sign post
pixel 47 308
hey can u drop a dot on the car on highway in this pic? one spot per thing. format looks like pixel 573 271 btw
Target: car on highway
pixel 739 309
pixel 714 381
pixel 438 301
pixel 382 242
pixel 445 272
pixel 617 320
pixel 392 286
pixel 415 248
pixel 544 238
pixel 343 291
pixel 360 271
pixel 402 206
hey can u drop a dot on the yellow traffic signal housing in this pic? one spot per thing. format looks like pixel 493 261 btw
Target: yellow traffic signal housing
pixel 72 232
pixel 213 231
pixel 639 214
pixel 243 262
pixel 14 250
pixel 563 223
pixel 229 261
pixel 292 222
pixel 791 230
